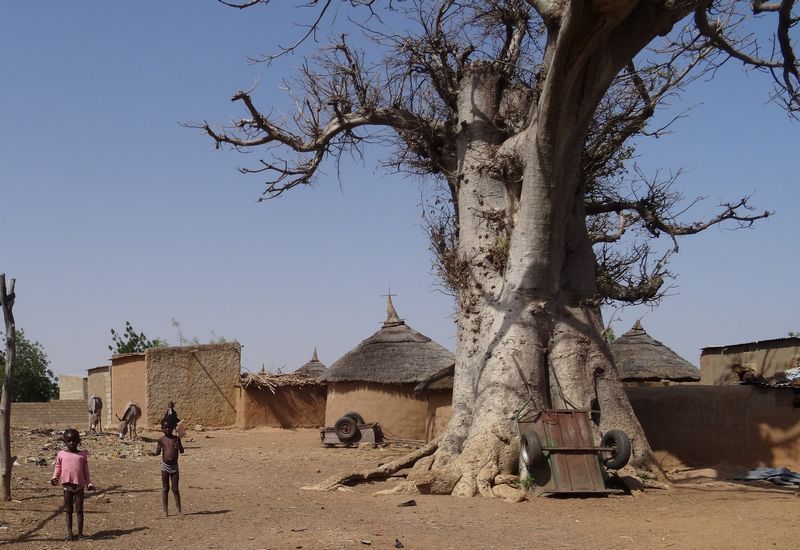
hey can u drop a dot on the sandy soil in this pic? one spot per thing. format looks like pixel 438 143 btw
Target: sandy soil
pixel 242 489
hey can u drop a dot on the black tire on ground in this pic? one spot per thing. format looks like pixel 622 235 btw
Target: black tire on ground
pixel 358 417
pixel 621 453
pixel 346 428
pixel 531 450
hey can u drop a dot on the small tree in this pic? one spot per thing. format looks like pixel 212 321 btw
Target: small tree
pixel 132 342
pixel 33 381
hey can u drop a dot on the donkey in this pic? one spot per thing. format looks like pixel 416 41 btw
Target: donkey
pixel 95 408
pixel 128 420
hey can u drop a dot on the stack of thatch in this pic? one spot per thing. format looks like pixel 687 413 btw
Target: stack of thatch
pixel 261 380
pixel 640 358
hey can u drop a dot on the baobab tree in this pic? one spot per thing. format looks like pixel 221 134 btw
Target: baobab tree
pixel 524 111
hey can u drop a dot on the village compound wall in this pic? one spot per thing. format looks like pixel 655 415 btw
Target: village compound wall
pixel 288 407
pixel 200 379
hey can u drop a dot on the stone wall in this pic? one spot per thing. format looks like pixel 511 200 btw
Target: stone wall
pixel 71 388
pixel 289 407
pixel 707 425
pixel 56 414
pixel 201 380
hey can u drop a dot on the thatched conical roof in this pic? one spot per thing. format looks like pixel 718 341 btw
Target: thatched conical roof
pixel 396 354
pixel 642 358
pixel 313 368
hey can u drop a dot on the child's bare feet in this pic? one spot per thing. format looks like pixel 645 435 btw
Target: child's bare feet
pixel 70 537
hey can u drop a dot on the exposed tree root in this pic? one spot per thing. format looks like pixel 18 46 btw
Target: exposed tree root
pixel 381 472
pixel 485 468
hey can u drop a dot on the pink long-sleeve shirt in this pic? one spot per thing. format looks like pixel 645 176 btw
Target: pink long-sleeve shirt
pixel 72 468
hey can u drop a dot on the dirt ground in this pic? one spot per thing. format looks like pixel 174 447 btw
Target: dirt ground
pixel 242 489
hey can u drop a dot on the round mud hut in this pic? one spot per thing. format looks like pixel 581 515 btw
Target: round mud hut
pixel 379 378
pixel 643 360
pixel 314 368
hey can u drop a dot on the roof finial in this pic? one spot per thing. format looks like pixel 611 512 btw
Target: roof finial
pixel 637 325
pixel 314 356
pixel 392 318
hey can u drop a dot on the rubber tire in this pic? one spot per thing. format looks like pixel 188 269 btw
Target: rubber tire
pixel 621 454
pixel 530 447
pixel 359 419
pixel 346 428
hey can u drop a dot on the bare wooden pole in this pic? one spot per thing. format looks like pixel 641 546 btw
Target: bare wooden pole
pixel 6 460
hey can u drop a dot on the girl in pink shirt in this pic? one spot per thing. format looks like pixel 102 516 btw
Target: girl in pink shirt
pixel 72 469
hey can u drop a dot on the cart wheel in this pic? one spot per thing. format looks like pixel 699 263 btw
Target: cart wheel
pixel 621 453
pixel 531 450
pixel 358 418
pixel 346 428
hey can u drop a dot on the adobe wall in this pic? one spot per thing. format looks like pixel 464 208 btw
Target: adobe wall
pixel 201 380
pixel 99 383
pixel 289 407
pixel 401 413
pixel 56 414
pixel 71 388
pixel 128 381
pixel 440 407
pixel 707 425
pixel 769 359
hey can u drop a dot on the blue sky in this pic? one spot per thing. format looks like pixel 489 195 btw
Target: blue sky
pixel 111 211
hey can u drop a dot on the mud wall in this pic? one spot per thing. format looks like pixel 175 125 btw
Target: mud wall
pixel 99 383
pixel 201 380
pixel 767 359
pixel 289 407
pixel 401 413
pixel 128 382
pixel 439 411
pixel 707 425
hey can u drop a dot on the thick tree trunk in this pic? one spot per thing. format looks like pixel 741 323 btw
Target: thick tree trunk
pixel 540 342
pixel 6 460
pixel 529 323
pixel 529 327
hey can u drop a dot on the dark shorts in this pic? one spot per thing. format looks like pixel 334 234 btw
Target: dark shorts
pixel 169 468
pixel 72 488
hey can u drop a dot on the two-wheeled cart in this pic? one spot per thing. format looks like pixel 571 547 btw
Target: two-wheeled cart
pixel 558 450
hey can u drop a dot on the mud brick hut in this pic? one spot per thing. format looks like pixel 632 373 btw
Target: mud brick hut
pixel 643 360
pixel 202 380
pixel 769 358
pixel 378 378
pixel 295 400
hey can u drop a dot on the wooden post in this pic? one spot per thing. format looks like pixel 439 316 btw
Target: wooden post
pixel 6 460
